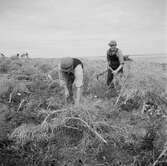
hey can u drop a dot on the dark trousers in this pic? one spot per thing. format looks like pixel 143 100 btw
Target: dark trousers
pixel 110 76
pixel 70 80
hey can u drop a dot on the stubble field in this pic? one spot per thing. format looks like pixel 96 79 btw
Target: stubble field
pixel 125 126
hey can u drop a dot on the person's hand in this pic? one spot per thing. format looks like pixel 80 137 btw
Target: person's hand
pixel 114 72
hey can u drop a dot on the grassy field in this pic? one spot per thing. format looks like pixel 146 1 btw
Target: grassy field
pixel 125 126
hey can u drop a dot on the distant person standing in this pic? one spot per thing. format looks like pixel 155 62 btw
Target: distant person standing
pixel 2 55
pixel 115 62
pixel 71 73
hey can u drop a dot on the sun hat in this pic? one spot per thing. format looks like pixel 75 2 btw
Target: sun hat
pixel 66 64
pixel 112 43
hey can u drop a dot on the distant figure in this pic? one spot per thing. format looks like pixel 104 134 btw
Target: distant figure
pixel 115 62
pixel 25 55
pixel 2 55
pixel 71 73
pixel 126 58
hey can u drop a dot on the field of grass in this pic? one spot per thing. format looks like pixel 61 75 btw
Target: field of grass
pixel 125 126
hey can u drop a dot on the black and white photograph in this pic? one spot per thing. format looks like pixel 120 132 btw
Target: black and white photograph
pixel 83 82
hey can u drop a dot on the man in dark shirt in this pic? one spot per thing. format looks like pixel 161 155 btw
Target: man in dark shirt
pixel 115 62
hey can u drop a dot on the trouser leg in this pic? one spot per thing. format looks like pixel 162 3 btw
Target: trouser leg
pixel 110 77
pixel 70 98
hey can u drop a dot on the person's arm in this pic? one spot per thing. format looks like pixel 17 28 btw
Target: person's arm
pixel 78 83
pixel 78 96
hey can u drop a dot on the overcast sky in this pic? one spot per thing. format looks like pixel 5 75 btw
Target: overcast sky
pixel 54 28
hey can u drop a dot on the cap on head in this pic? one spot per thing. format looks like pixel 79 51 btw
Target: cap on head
pixel 112 43
pixel 66 64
